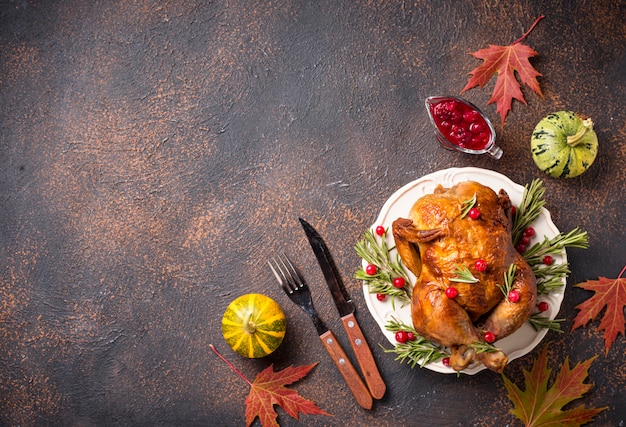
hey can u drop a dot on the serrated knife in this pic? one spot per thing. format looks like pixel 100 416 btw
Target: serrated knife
pixel 346 309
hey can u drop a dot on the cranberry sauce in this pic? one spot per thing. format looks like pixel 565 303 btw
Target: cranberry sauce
pixel 460 123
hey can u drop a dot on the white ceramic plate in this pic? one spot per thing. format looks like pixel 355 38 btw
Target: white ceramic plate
pixel 399 204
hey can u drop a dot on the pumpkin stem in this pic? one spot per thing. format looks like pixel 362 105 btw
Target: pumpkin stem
pixel 573 140
pixel 248 325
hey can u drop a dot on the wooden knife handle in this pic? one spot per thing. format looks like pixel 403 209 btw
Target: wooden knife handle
pixel 364 356
pixel 350 375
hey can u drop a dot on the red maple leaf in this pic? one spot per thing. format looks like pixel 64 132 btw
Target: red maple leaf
pixel 539 405
pixel 609 293
pixel 505 61
pixel 268 389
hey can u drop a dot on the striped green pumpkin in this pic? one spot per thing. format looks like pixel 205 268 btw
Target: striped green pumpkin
pixel 564 145
pixel 254 325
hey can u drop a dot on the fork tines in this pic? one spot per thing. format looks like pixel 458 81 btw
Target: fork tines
pixel 286 274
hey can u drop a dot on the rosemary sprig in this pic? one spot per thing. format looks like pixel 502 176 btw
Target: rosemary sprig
pixel 550 277
pixel 417 352
pixel 543 271
pixel 484 347
pixel 575 239
pixel 548 285
pixel 529 208
pixel 463 275
pixel 467 205
pixel 378 254
pixel 509 278
pixel 539 323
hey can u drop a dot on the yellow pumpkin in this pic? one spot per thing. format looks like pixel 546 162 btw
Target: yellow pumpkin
pixel 254 325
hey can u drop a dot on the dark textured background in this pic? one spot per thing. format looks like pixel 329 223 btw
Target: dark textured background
pixel 153 155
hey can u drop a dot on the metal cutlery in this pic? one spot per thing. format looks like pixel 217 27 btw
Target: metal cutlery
pixel 298 291
pixel 346 309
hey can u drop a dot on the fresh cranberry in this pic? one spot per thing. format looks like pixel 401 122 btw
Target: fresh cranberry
pixel 474 213
pixel 402 336
pixel 371 269
pixel 399 282
pixel 480 265
pixel 445 361
pixel 529 231
pixel 525 240
pixel 381 297
pixel 514 295
pixel 521 248
pixel 543 306
pixel 380 230
pixel 489 337
pixel 548 260
pixel 451 292
pixel 410 336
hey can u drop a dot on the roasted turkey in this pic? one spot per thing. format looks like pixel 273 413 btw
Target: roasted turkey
pixel 437 241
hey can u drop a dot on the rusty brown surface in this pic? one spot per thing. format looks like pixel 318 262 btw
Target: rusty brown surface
pixel 154 154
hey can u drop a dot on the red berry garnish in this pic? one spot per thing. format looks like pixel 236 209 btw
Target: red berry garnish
pixel 525 240
pixel 514 295
pixel 480 265
pixel 474 213
pixel 489 337
pixel 381 297
pixel 451 292
pixel 521 248
pixel 399 282
pixel 371 269
pixel 410 336
pixel 548 260
pixel 529 231
pixel 380 230
pixel 513 210
pixel 401 336
pixel 543 306
pixel 445 361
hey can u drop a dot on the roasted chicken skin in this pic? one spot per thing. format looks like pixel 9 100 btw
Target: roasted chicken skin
pixel 435 241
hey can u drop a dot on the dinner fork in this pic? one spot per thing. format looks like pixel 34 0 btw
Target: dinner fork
pixel 298 291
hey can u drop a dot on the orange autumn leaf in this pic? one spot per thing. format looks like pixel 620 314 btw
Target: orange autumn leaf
pixel 609 293
pixel 539 405
pixel 268 389
pixel 506 61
